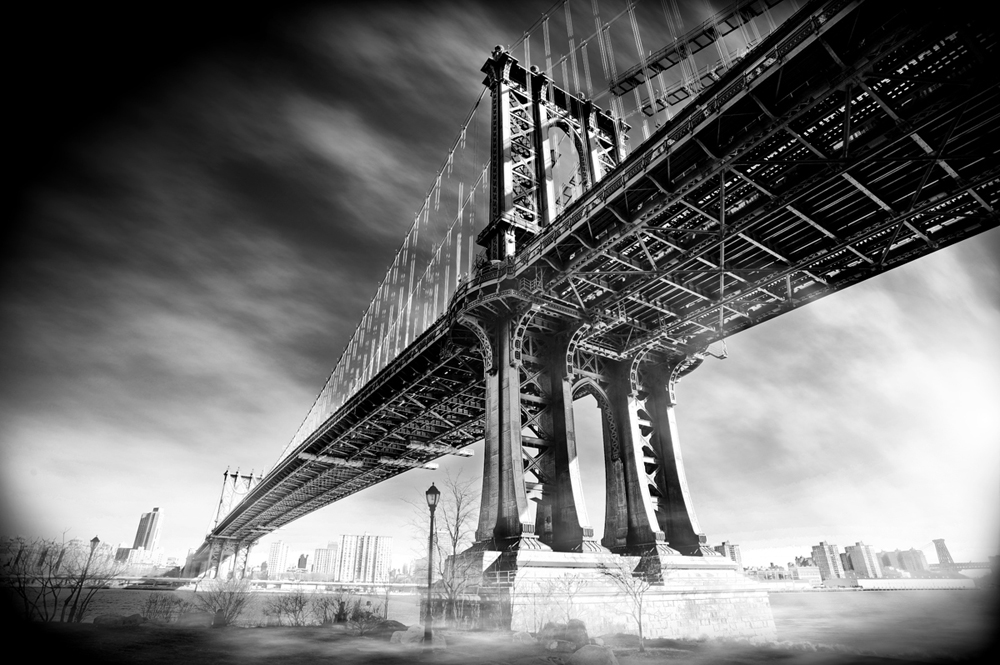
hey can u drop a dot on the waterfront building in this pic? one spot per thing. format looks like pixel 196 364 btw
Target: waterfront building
pixel 147 536
pixel 769 574
pixel 325 560
pixel 827 560
pixel 890 560
pixel 303 562
pixel 863 560
pixel 914 561
pixel 911 560
pixel 732 551
pixel 277 559
pixel 364 558
pixel 809 574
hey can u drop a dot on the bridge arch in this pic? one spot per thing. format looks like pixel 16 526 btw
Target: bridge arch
pixel 615 497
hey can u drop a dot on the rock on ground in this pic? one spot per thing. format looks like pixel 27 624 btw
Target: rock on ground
pixel 109 619
pixel 593 655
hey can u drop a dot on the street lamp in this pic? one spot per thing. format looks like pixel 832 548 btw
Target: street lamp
pixel 432 494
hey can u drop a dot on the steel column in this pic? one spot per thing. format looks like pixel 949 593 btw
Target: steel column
pixel 571 530
pixel 675 510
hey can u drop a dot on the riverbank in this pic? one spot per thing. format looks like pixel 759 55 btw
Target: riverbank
pixel 151 644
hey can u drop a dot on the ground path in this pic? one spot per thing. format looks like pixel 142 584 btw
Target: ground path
pixel 169 645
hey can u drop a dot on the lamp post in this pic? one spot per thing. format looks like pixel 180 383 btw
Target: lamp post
pixel 432 494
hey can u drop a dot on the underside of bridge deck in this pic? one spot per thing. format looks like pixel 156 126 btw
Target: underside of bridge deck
pixel 857 137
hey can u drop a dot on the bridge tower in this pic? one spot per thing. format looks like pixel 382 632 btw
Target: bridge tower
pixel 548 147
pixel 944 556
pixel 227 557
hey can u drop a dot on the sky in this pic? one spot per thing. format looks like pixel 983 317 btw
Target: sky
pixel 204 203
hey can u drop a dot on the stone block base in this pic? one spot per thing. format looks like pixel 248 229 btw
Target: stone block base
pixel 697 597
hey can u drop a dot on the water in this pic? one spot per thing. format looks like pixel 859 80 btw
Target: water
pixel 913 625
pixel 930 625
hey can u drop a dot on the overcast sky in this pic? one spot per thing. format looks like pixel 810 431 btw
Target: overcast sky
pixel 203 209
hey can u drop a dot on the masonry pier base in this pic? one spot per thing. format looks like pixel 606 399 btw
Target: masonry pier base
pixel 696 597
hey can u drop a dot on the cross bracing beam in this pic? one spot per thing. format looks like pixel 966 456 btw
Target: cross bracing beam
pixel 429 373
pixel 629 224
pixel 839 149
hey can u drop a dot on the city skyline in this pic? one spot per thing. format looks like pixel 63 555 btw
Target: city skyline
pixel 187 269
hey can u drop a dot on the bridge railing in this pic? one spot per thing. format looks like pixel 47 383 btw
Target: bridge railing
pixel 582 49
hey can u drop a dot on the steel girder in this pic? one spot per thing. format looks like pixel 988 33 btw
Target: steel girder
pixel 856 138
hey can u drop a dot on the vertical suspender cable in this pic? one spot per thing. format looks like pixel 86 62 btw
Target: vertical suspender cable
pixel 642 62
pixel 548 56
pixel 607 59
pixel 722 248
pixel 720 43
pixel 572 49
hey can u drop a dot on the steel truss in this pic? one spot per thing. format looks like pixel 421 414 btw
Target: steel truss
pixel 857 137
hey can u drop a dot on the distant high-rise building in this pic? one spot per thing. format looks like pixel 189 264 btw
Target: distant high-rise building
pixel 863 561
pixel 944 556
pixel 911 560
pixel 325 560
pixel 890 560
pixel 303 562
pixel 277 559
pixel 845 563
pixel 147 537
pixel 364 558
pixel 827 560
pixel 732 551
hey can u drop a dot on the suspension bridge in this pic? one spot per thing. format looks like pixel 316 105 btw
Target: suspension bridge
pixel 629 189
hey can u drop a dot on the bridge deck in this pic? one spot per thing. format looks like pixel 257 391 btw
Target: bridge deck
pixel 854 139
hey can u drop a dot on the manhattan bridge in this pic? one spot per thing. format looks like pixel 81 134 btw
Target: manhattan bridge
pixel 628 190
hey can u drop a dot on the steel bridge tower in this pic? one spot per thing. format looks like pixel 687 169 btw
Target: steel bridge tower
pixel 547 148
pixel 943 555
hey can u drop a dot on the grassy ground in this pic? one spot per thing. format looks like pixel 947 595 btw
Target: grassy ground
pixel 151 644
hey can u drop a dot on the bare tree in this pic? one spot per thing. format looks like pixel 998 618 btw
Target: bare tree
pixel 228 597
pixel 331 607
pixel 393 578
pixel 562 591
pixel 164 608
pixel 456 516
pixel 633 584
pixel 56 581
pixel 292 607
pixel 364 618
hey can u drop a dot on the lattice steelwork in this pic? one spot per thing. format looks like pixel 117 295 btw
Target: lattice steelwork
pixel 438 252
pixel 853 138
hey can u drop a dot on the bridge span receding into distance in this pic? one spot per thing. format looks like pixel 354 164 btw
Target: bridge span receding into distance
pixel 853 138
